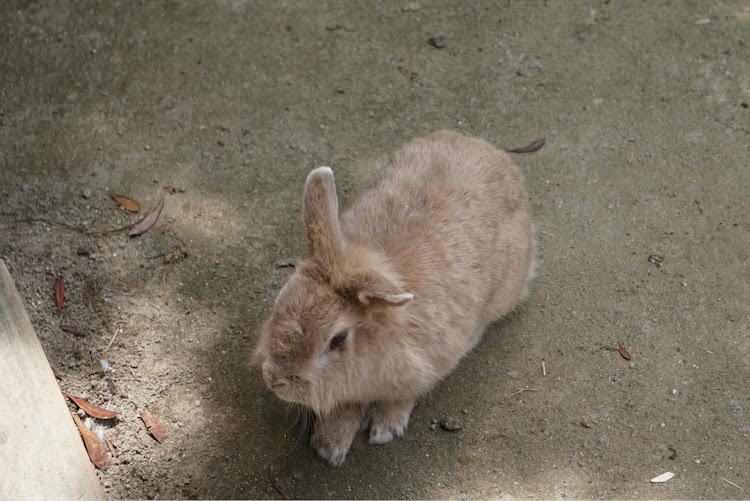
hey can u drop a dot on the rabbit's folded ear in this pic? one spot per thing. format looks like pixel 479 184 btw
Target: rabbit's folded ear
pixel 395 297
pixel 320 211
pixel 375 289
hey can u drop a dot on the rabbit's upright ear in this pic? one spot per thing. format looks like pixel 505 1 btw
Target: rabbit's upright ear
pixel 320 210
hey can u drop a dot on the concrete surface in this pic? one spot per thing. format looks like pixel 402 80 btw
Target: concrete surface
pixel 640 200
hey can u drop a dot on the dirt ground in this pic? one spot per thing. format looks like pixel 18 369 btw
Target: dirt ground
pixel 640 201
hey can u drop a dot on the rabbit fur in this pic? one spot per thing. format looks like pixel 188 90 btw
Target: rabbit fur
pixel 437 245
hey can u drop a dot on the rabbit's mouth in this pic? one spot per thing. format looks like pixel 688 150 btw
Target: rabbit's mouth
pixel 285 391
pixel 289 392
pixel 287 387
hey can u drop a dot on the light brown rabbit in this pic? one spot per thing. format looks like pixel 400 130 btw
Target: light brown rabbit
pixel 436 246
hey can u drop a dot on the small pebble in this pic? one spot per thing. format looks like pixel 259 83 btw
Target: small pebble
pixel 86 194
pixel 450 424
pixel 588 422
pixel 437 41
pixel 410 7
pixel 27 186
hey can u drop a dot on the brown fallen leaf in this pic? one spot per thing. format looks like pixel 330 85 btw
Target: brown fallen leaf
pixel 73 330
pixel 112 448
pixel 91 409
pixel 623 352
pixel 147 222
pixel 154 426
pixel 535 146
pixel 94 446
pixel 126 203
pixel 59 293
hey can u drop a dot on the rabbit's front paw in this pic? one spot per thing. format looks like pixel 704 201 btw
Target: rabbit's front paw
pixel 388 420
pixel 334 434
pixel 332 451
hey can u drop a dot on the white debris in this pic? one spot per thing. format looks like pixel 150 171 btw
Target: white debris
pixel 664 477
pixel 105 366
pixel 97 428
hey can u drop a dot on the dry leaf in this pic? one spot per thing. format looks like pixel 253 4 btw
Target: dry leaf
pixel 94 446
pixel 623 352
pixel 112 448
pixel 126 203
pixel 60 293
pixel 535 146
pixel 91 409
pixel 153 425
pixel 73 330
pixel 147 222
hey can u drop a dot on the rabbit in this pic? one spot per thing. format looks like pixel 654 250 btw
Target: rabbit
pixel 437 245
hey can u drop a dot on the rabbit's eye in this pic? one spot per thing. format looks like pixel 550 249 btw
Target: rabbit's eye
pixel 338 340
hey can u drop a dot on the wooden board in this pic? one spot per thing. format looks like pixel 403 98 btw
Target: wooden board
pixel 41 452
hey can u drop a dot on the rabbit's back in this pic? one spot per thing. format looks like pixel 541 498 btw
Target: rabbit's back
pixel 451 213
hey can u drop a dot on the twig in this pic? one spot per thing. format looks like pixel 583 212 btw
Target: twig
pixel 274 484
pixel 701 211
pixel 164 287
pixel 521 390
pixel 73 227
pixel 113 339
pixel 52 222
pixel 732 483
pixel 154 199
pixel 79 229
pixel 544 369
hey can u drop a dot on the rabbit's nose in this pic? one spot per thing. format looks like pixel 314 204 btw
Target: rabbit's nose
pixel 272 376
pixel 269 375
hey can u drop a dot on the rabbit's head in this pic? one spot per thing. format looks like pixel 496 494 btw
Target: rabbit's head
pixel 334 327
